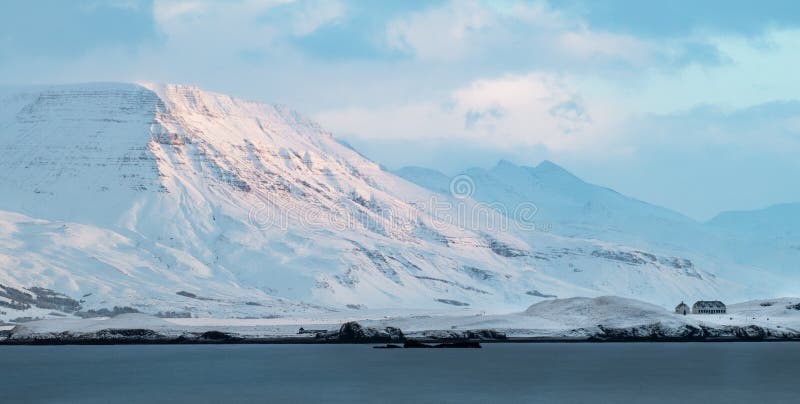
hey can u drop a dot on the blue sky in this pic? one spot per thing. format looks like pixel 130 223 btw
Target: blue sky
pixel 690 105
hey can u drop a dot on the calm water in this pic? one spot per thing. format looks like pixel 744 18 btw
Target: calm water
pixel 533 373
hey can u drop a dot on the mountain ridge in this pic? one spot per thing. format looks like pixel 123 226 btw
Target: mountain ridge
pixel 746 237
pixel 562 198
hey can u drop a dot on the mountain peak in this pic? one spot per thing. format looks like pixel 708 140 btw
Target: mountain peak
pixel 547 165
pixel 785 217
pixel 505 163
pixel 552 170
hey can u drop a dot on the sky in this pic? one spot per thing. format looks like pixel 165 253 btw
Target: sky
pixel 691 105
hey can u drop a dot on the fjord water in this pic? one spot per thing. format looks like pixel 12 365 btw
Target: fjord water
pixel 533 373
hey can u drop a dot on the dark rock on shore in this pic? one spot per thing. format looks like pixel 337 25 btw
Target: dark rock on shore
pixel 649 332
pixel 315 332
pixel 460 344
pixel 105 336
pixel 451 335
pixel 487 335
pixel 412 343
pixel 122 336
pixel 218 336
pixel 657 332
pixel 127 333
pixel 353 332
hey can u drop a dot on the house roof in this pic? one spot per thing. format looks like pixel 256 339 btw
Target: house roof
pixel 681 306
pixel 709 304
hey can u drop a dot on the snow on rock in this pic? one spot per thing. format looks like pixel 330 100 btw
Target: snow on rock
pixel 610 311
pixel 758 248
pixel 353 332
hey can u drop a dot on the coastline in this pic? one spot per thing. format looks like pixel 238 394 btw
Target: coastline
pixel 576 320
pixel 300 341
pixel 232 339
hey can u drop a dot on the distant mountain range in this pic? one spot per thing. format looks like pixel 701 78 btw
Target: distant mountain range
pixel 768 238
pixel 572 207
pixel 765 240
pixel 169 200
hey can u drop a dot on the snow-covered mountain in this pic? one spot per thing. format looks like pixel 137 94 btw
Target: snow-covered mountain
pixel 168 199
pixel 768 238
pixel 778 221
pixel 571 207
pixel 758 248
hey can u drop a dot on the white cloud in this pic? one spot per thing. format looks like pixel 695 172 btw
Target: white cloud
pixel 224 31
pixel 503 113
pixel 166 12
pixel 211 27
pixel 316 14
pixel 305 17
pixel 464 29
pixel 440 33
pixel 585 44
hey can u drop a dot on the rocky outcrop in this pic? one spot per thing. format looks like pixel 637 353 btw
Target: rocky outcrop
pixel 217 336
pixel 540 294
pixel 505 250
pixel 354 333
pixel 452 302
pixel 101 337
pixel 467 335
pixel 125 333
pixel 104 312
pixel 37 297
pixel 622 256
pixel 658 332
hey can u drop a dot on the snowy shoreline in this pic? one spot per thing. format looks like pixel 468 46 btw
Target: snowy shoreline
pixel 602 319
pixel 234 340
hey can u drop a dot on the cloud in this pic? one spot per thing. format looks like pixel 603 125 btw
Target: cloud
pixel 246 18
pixel 585 45
pixel 210 41
pixel 506 112
pixel 532 34
pixel 166 12
pixel 440 33
pixel 525 110
pixel 313 15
